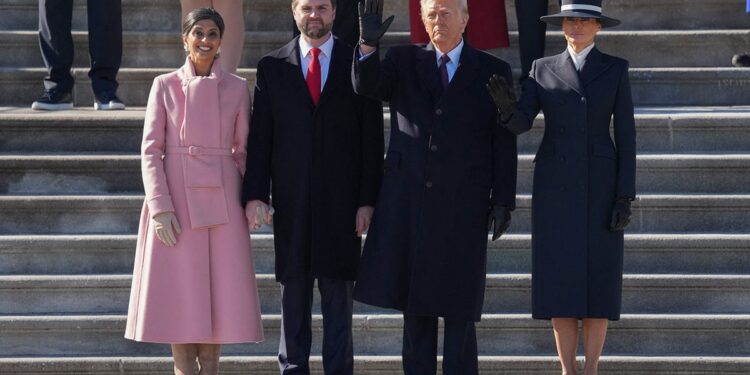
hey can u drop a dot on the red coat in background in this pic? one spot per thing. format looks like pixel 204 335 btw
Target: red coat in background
pixel 487 28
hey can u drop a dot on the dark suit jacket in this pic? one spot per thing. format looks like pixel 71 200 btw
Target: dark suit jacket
pixel 448 161
pixel 320 163
pixel 579 171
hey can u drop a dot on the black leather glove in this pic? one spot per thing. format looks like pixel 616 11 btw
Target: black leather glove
pixel 504 96
pixel 498 220
pixel 371 27
pixel 620 214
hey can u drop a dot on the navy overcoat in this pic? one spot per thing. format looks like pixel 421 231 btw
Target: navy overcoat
pixel 318 164
pixel 579 172
pixel 447 162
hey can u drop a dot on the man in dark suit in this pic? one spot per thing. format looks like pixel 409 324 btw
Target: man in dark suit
pixel 449 164
pixel 317 148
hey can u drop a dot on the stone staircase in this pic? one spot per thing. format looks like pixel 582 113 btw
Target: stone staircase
pixel 71 191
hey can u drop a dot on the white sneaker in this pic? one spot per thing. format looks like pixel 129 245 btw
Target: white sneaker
pixel 113 103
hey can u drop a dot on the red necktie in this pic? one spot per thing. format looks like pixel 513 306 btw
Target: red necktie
pixel 313 76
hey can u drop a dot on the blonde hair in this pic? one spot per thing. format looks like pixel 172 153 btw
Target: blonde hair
pixel 462 4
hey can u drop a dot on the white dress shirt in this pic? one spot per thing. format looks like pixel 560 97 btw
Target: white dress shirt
pixel 324 58
pixel 455 56
pixel 579 58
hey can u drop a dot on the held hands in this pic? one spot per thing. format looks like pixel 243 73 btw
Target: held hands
pixel 498 220
pixel 258 213
pixel 363 219
pixel 620 214
pixel 371 25
pixel 163 226
pixel 503 95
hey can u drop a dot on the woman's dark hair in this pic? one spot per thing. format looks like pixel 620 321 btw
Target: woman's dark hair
pixel 200 14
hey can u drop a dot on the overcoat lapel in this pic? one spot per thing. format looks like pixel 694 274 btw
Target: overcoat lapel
pixel 428 72
pixel 339 67
pixel 594 67
pixel 566 71
pixel 468 69
pixel 294 76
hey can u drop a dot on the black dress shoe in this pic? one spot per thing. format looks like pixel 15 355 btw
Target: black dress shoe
pixel 741 61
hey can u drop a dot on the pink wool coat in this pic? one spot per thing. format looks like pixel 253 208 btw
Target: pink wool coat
pixel 203 289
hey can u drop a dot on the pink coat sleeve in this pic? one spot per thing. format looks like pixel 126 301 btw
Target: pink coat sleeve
pixel 241 130
pixel 158 198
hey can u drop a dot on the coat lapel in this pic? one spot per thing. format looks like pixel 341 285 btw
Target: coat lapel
pixel 339 66
pixel 594 67
pixel 290 53
pixel 566 71
pixel 428 71
pixel 468 69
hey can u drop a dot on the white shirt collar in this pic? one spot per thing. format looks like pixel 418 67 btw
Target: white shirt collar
pixel 326 49
pixel 579 58
pixel 454 54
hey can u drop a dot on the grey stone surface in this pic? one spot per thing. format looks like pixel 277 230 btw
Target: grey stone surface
pixel 498 334
pixel 662 48
pixel 275 15
pixel 651 86
pixel 505 293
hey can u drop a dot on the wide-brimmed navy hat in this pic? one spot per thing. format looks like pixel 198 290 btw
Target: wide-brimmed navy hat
pixel 580 9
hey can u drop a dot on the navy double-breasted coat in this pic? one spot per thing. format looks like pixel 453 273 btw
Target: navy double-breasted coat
pixel 447 162
pixel 579 172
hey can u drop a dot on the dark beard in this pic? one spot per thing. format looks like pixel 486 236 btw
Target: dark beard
pixel 323 31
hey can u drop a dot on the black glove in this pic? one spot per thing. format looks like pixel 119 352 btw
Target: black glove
pixel 620 214
pixel 371 27
pixel 504 96
pixel 498 220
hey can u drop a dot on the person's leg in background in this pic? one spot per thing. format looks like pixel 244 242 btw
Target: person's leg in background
pixel 105 51
pixel 56 45
pixel 742 60
pixel 531 32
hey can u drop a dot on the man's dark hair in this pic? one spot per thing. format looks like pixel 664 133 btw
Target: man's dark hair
pixel 333 4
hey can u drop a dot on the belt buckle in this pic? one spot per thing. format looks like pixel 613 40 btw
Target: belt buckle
pixel 195 150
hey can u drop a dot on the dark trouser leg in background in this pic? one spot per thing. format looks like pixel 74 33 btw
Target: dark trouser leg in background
pixel 56 44
pixel 531 32
pixel 296 334
pixel 460 348
pixel 336 305
pixel 420 345
pixel 105 45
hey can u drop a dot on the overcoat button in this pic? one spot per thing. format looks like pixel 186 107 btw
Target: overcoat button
pixel 439 112
pixel 428 184
pixel 583 100
pixel 434 148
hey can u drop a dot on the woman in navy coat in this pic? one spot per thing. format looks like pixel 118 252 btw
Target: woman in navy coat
pixel 583 181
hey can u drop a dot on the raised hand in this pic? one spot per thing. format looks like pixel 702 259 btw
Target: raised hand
pixel 371 25
pixel 503 95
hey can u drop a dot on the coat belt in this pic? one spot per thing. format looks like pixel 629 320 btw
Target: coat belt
pixel 198 150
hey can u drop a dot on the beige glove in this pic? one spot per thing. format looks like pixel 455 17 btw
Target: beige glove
pixel 163 224
pixel 258 213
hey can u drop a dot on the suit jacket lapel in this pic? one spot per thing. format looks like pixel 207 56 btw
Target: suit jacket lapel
pixel 593 67
pixel 566 71
pixel 428 72
pixel 295 76
pixel 468 69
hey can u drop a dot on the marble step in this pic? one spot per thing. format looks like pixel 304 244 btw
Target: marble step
pixel 680 254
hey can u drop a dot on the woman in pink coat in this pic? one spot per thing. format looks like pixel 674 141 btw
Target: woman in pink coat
pixel 194 279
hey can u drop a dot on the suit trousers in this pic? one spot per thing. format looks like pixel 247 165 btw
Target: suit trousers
pixel 105 44
pixel 531 31
pixel 296 330
pixel 420 346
